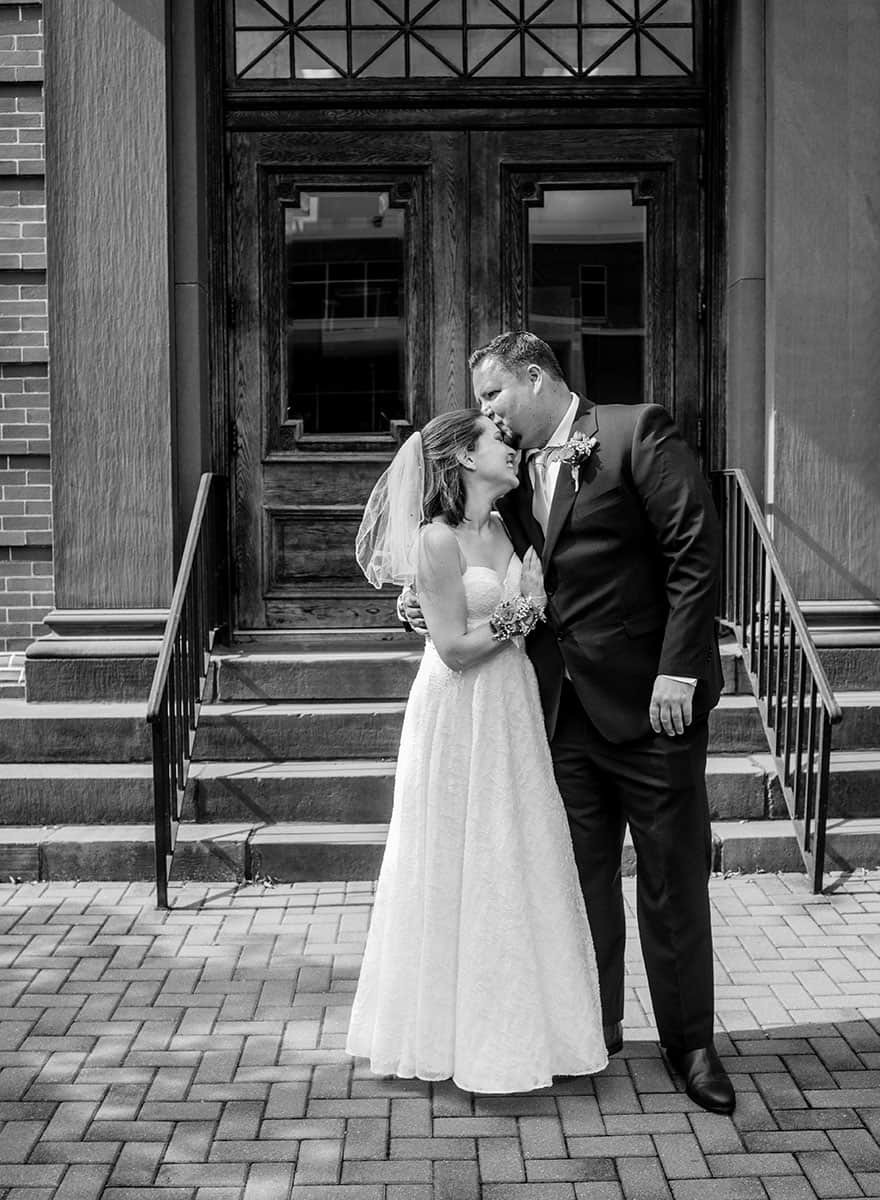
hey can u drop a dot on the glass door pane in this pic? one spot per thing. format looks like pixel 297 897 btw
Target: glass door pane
pixel 344 259
pixel 586 288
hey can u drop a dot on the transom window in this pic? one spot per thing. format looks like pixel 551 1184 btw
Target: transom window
pixel 461 39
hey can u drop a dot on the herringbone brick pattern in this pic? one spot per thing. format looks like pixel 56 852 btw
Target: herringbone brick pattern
pixel 197 1055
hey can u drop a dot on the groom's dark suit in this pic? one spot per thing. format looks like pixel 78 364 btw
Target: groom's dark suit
pixel 631 563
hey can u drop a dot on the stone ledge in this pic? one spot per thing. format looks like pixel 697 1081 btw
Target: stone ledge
pixel 316 851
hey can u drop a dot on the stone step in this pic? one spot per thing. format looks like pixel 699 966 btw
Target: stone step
pixel 756 846
pixel 854 784
pixel 351 790
pixel 740 787
pixel 309 851
pixel 849 667
pixel 337 790
pixel 317 675
pixel 366 669
pixel 313 852
pixel 73 732
pixel 840 612
pixel 860 727
pixel 77 793
pixel 12 675
pixel 354 637
pixel 253 731
pixel 858 730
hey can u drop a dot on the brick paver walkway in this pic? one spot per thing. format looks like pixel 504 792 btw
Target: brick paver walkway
pixel 197 1055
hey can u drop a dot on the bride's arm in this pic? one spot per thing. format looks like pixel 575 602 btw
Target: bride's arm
pixel 443 603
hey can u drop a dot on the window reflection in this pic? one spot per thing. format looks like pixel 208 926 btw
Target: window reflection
pixel 345 312
pixel 587 288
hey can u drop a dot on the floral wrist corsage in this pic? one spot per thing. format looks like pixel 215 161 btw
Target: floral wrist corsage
pixel 515 618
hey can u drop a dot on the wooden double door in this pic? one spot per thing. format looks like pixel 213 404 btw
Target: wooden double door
pixel 365 265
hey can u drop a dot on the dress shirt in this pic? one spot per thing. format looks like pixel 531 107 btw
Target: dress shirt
pixel 544 476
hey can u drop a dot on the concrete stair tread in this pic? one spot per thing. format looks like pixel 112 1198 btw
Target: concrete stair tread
pixel 17 710
pixel 838 636
pixel 324 832
pixel 359 707
pixel 259 656
pixel 836 611
pixel 336 831
pixel 235 850
pixel 855 760
pixel 852 825
pixel 293 768
pixel 732 763
pixel 78 833
pixel 349 669
pixel 190 831
pixel 341 708
pixel 858 699
pixel 319 640
pixel 749 846
pixel 75 770
pixel 355 653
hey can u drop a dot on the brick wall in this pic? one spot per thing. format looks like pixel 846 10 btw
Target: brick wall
pixel 25 489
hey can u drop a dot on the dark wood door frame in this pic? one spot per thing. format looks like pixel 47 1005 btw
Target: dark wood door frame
pixel 467 197
pixel 297 498
pixel 612 104
pixel 661 170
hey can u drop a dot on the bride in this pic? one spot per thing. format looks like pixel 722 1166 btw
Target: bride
pixel 479 964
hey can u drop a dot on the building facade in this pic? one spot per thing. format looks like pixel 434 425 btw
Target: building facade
pixel 276 228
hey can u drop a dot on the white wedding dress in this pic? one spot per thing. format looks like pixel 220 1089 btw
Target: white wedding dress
pixel 479 964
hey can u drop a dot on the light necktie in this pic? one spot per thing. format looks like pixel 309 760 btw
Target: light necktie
pixel 540 499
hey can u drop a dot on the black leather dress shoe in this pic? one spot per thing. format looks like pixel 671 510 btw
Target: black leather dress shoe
pixel 613 1037
pixel 706 1081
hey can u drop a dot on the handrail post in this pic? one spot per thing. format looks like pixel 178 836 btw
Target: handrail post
pixel 160 811
pixel 183 668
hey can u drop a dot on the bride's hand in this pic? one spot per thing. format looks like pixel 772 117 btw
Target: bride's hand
pixel 532 577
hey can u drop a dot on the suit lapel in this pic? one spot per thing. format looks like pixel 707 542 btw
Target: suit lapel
pixel 564 494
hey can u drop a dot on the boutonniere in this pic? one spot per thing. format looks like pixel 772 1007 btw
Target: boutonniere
pixel 573 453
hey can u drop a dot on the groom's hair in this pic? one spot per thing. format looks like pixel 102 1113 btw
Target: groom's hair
pixel 516 349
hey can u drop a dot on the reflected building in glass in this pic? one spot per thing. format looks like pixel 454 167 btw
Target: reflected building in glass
pixel 345 328
pixel 587 289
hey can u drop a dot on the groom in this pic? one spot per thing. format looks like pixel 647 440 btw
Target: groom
pixel 628 669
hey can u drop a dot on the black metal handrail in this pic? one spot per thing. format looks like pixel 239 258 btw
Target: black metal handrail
pixel 797 705
pixel 182 670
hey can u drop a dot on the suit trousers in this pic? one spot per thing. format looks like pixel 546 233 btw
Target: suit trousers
pixel 657 786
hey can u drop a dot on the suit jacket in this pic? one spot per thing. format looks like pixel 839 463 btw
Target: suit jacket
pixel 631 563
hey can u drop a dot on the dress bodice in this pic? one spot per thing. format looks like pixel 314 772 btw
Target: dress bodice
pixel 484 590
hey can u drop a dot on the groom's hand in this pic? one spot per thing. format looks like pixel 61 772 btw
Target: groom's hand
pixel 672 705
pixel 410 612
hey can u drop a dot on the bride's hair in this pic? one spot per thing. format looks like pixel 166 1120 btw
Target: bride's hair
pixel 443 438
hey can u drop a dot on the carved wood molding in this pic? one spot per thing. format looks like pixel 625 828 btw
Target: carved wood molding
pixel 282 187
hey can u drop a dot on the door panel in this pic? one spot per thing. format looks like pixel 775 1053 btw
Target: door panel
pixel 513 173
pixel 364 266
pixel 350 309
